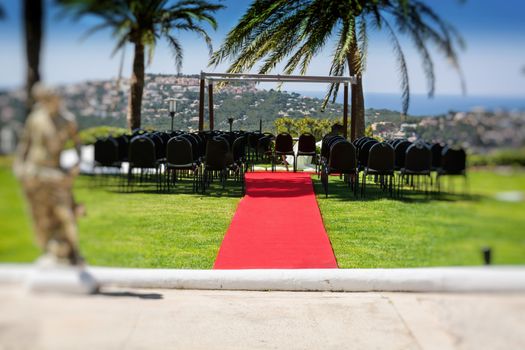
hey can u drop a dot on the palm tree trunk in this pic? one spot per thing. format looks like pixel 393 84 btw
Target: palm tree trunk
pixel 136 88
pixel 359 111
pixel 33 15
pixel 358 99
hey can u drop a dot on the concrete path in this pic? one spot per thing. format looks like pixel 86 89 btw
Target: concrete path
pixel 186 319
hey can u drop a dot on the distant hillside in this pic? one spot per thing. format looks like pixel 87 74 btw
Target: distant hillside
pixel 98 103
pixel 105 103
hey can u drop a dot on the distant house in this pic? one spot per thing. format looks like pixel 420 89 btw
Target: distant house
pixel 9 136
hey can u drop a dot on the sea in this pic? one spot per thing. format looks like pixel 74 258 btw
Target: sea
pixel 422 105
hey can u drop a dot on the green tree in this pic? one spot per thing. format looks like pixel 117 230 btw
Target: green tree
pixel 285 124
pixel 272 31
pixel 142 23
pixel 33 14
pixel 314 126
pixel 369 131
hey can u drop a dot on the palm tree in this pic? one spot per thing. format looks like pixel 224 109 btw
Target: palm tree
pixel 142 23
pixel 272 31
pixel 33 12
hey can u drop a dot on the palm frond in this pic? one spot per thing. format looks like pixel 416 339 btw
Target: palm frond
pixel 95 29
pixel 145 22
pixel 316 31
pixel 273 41
pixel 444 39
pixel 346 40
pixel 200 31
pixel 402 65
pixel 362 40
pixel 261 16
pixel 177 52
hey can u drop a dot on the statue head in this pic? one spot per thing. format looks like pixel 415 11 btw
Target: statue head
pixel 47 97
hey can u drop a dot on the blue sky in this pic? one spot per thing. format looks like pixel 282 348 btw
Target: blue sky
pixel 492 62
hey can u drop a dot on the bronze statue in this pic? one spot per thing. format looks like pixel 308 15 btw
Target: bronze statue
pixel 47 187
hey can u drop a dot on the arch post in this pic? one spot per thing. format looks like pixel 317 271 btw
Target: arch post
pixel 210 104
pixel 345 113
pixel 201 105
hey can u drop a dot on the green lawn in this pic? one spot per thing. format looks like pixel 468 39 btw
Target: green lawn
pixel 416 231
pixel 184 230
pixel 144 229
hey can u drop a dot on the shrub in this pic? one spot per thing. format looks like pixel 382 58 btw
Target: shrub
pixel 504 157
pixel 296 127
pixel 90 135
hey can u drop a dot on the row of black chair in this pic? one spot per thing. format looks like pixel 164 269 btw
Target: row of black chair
pixel 201 155
pixel 284 147
pixel 383 159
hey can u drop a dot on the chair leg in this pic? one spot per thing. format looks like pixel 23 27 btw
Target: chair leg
pixel 389 179
pixel 243 184
pixel 400 185
pixel 130 177
pixel 166 179
pixel 356 183
pixel 363 184
pixel 203 182
pixel 324 181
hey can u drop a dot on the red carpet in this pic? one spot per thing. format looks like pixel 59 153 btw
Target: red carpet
pixel 277 225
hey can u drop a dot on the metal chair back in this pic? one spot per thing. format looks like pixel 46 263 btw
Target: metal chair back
pixel 342 158
pixel 381 158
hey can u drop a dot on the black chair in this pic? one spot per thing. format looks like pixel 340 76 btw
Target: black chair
pixel 238 164
pixel 357 141
pixel 160 147
pixel 381 165
pixel 107 153
pixel 142 155
pixel 123 147
pixel 179 157
pixel 264 149
pixel 239 152
pixel 342 160
pixel 436 150
pixel 165 137
pixel 418 162
pixel 283 148
pixel 362 140
pixel 201 140
pixel 400 153
pixel 363 152
pixel 106 158
pixel 325 146
pixel 395 142
pixel 253 140
pixel 453 163
pixel 215 162
pixel 195 146
pixel 230 137
pixel 307 148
